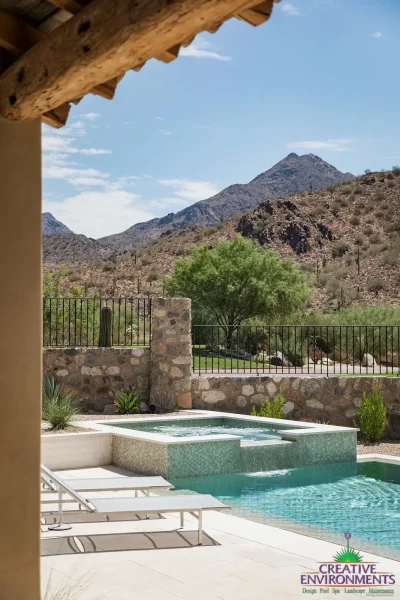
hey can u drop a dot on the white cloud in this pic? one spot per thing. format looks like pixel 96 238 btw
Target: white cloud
pixel 290 9
pixel 164 131
pixel 337 145
pixel 187 190
pixel 93 151
pixel 91 116
pixel 202 49
pixel 159 119
pixel 200 126
pixel 377 34
pixel 97 213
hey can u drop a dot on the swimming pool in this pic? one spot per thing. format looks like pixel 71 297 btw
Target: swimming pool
pixel 320 501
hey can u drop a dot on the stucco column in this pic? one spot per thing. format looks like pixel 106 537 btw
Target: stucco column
pixel 171 353
pixel 20 358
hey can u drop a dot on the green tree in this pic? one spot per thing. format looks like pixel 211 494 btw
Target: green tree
pixel 238 280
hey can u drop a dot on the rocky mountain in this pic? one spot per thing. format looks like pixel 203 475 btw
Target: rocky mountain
pixel 50 225
pixel 72 248
pixel 346 238
pixel 293 174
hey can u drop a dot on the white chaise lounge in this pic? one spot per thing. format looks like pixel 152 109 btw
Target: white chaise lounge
pixel 104 484
pixel 194 504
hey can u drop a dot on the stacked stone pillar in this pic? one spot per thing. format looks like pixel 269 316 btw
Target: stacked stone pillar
pixel 171 354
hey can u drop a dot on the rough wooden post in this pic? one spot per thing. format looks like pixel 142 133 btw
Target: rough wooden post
pixel 171 353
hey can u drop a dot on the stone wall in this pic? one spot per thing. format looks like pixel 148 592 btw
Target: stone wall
pixel 326 399
pixel 96 373
pixel 171 353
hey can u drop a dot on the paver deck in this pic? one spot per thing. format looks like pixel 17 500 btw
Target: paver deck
pixel 148 559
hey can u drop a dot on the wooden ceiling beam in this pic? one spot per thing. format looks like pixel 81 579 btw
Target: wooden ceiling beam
pixel 57 117
pixel 103 41
pixel 256 15
pixel 18 37
pixel 74 7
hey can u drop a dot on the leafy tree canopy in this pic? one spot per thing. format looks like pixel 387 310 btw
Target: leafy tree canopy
pixel 237 280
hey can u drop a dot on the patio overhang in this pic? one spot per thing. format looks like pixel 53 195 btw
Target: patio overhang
pixel 55 52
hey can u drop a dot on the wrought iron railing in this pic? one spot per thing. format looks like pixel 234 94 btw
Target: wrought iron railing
pixel 302 349
pixel 76 321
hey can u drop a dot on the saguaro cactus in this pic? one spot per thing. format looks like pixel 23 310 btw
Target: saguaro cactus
pixel 105 327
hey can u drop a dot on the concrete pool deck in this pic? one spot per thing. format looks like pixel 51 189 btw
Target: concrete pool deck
pixel 147 559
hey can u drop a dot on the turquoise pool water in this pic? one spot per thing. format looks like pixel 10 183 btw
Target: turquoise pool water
pixel 203 427
pixel 322 501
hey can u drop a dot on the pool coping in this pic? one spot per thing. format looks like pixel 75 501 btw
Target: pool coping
pixel 300 428
pixel 383 458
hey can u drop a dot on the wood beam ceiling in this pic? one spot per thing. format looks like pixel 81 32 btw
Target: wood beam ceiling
pixel 105 39
pixel 74 7
pixel 18 37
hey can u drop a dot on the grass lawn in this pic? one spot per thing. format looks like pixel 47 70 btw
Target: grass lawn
pixel 202 360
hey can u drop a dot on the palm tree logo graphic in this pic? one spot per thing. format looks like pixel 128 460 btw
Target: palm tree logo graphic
pixel 347 554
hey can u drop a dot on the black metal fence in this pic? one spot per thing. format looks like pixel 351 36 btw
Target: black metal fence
pixel 302 349
pixel 76 321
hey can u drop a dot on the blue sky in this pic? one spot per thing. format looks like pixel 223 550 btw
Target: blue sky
pixel 321 76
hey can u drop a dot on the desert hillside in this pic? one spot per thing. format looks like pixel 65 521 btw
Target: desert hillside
pixel 346 238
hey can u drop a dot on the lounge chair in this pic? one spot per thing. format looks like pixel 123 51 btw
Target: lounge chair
pixel 195 504
pixel 104 484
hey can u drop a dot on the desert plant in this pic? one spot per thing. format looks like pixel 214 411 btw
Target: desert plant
pixel 379 196
pixel 371 415
pixel 126 402
pixel 375 285
pixel 339 249
pixel 105 327
pixel 354 220
pixel 273 409
pixel 396 171
pixel 58 407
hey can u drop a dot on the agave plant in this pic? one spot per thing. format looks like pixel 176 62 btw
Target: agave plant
pixel 126 402
pixel 58 407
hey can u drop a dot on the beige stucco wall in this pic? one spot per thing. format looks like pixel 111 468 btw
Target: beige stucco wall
pixel 20 381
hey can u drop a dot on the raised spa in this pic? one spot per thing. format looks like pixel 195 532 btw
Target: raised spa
pixel 219 443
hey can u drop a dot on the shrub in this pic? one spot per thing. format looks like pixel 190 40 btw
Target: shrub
pixel 108 266
pixel 58 408
pixel 358 190
pixel 126 402
pixel 379 196
pixel 371 415
pixel 272 409
pixel 346 191
pixel 375 285
pixel 358 240
pixel 354 220
pixel 396 171
pixel 390 257
pixel 368 230
pixel 379 214
pixel 339 249
pixel 391 184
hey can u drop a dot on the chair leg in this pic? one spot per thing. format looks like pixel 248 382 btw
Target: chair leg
pixel 200 527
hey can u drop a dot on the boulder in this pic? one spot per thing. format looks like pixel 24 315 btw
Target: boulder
pixel 277 359
pixel 368 361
